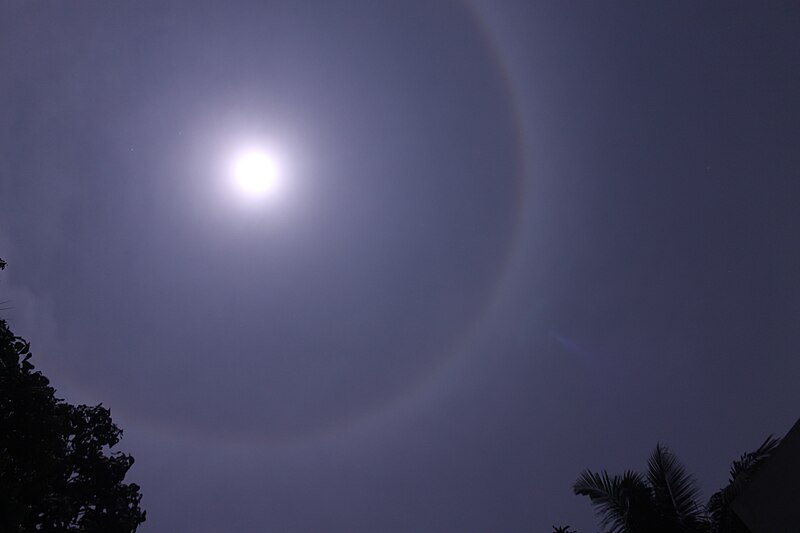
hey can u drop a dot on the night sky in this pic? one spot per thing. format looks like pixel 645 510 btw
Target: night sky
pixel 509 241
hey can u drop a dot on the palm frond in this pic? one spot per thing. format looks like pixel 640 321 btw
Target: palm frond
pixel 718 507
pixel 674 490
pixel 563 529
pixel 614 497
pixel 748 462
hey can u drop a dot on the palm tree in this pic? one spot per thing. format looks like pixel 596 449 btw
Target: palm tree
pixel 674 492
pixel 665 499
pixel 662 501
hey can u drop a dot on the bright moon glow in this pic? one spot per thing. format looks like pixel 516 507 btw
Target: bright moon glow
pixel 256 173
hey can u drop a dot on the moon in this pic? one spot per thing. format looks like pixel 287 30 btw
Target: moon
pixel 256 173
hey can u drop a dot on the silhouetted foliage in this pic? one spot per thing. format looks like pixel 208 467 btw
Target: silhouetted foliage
pixel 664 499
pixel 624 503
pixel 56 473
pixel 674 492
pixel 563 529
pixel 723 520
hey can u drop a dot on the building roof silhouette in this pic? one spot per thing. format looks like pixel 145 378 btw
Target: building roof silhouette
pixel 770 502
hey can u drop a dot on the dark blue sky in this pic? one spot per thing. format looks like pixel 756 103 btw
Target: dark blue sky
pixel 516 240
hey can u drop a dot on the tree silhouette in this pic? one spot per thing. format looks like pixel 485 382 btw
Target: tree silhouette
pixel 664 500
pixel 563 529
pixel 56 471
